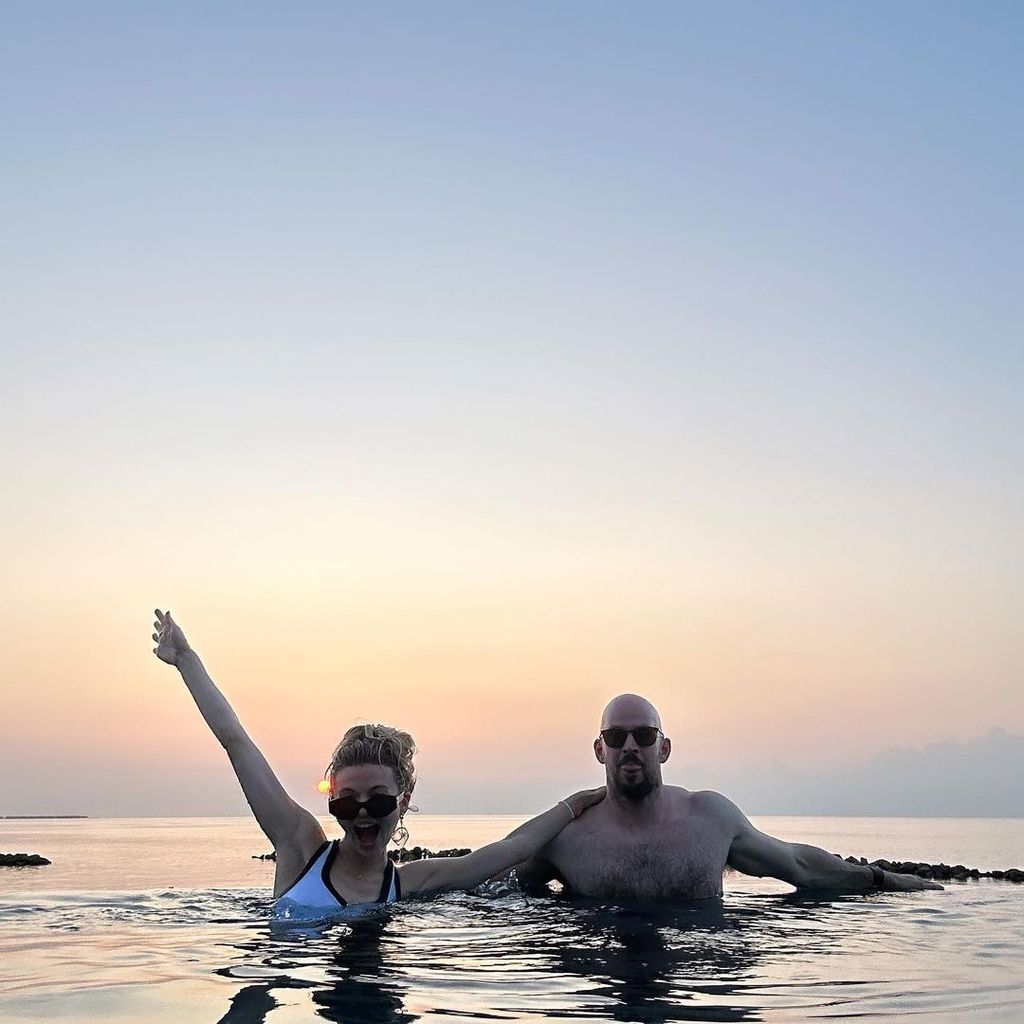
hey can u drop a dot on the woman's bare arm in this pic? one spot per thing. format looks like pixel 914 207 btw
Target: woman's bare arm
pixel 287 825
pixel 466 872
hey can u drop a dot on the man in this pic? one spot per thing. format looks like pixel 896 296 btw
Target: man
pixel 650 841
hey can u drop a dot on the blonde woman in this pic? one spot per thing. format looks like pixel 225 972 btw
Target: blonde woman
pixel 370 783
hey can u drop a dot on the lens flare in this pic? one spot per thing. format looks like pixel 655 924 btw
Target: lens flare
pixel 323 786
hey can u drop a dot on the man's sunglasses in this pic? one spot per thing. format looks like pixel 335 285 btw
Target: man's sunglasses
pixel 347 808
pixel 645 736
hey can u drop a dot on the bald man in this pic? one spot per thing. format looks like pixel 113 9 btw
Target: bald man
pixel 649 841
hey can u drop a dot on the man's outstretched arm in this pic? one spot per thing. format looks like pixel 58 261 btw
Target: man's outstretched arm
pixel 806 867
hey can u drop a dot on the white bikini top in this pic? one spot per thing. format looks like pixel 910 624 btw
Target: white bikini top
pixel 313 887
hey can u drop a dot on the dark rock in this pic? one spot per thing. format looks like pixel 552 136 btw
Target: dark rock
pixel 22 860
pixel 420 853
pixel 942 872
pixel 265 856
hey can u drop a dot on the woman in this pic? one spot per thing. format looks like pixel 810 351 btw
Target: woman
pixel 370 783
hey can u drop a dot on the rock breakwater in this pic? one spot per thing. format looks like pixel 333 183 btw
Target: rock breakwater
pixel 401 856
pixel 939 872
pixel 421 852
pixel 21 860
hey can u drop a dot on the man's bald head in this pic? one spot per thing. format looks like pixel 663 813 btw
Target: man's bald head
pixel 630 709
pixel 632 771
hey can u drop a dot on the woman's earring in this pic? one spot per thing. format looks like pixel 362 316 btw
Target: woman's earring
pixel 401 834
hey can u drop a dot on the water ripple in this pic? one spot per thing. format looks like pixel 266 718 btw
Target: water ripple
pixel 501 956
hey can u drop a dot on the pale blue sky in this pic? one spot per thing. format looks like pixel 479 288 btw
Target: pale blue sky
pixel 730 290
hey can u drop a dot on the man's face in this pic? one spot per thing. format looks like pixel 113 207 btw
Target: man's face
pixel 632 769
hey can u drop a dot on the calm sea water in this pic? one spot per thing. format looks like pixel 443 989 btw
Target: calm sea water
pixel 165 920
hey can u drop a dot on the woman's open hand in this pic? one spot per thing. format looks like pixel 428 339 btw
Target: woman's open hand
pixel 585 798
pixel 171 644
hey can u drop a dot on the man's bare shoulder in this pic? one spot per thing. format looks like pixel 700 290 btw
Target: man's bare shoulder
pixel 714 805
pixel 694 801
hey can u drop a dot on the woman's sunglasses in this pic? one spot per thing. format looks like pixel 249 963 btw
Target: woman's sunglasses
pixel 347 808
pixel 645 736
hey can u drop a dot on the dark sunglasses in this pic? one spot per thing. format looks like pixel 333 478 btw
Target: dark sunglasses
pixel 645 736
pixel 347 808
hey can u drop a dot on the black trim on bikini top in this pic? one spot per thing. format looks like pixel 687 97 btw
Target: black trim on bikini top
pixel 385 889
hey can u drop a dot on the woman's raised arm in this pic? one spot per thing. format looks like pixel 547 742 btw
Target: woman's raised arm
pixel 287 825
pixel 466 872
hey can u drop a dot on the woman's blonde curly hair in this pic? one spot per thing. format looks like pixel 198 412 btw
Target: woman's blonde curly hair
pixel 377 744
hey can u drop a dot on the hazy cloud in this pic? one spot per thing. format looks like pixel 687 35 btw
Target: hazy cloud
pixel 977 778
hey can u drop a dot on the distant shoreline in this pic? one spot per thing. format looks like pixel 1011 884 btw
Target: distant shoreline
pixel 39 817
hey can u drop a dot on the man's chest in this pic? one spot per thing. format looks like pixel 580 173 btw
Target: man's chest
pixel 681 861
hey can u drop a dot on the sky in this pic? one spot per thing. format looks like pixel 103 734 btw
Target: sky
pixel 459 366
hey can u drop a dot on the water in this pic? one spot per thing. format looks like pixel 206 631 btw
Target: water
pixel 166 920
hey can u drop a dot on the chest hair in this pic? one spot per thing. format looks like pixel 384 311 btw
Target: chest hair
pixel 682 864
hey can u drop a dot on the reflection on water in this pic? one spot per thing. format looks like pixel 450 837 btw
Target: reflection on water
pixel 355 985
pixel 513 957
pixel 506 956
pixel 605 962
pixel 650 964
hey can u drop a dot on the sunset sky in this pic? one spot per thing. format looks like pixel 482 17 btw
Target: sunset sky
pixel 461 365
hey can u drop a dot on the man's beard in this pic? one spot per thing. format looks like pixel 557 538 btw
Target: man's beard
pixel 635 788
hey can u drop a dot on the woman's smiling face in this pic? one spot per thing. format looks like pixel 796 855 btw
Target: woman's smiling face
pixel 361 782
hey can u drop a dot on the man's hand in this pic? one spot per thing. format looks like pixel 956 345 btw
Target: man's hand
pixel 171 645
pixel 897 882
pixel 585 798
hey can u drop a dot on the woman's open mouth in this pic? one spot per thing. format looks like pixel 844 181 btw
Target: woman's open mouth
pixel 366 835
